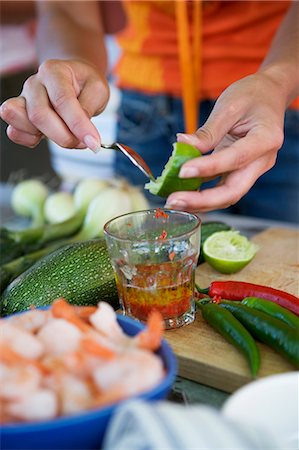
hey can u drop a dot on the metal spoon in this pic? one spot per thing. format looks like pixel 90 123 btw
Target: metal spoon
pixel 133 157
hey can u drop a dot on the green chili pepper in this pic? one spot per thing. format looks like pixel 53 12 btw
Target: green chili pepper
pixel 203 301
pixel 269 330
pixel 234 332
pixel 273 309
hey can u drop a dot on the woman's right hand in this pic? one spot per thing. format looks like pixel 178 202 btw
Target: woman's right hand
pixel 58 102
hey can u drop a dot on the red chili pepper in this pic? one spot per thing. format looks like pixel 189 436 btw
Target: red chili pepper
pixel 163 235
pixel 171 256
pixel 160 213
pixel 237 290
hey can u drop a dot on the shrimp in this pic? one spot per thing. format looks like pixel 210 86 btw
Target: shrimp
pixel 95 348
pixel 32 321
pixel 59 336
pixel 74 394
pixel 84 312
pixel 81 364
pixel 150 338
pixel 41 404
pixel 18 381
pixel 71 359
pixel 132 372
pixel 62 309
pixel 104 320
pixel 20 341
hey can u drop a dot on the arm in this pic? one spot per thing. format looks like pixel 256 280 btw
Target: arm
pixel 245 128
pixel 16 12
pixel 71 30
pixel 70 86
pixel 282 62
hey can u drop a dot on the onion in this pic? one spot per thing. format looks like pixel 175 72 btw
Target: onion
pixel 111 202
pixel 28 198
pixel 86 191
pixel 59 207
pixel 138 199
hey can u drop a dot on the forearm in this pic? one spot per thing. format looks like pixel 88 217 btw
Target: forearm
pixel 71 30
pixel 282 61
pixel 16 12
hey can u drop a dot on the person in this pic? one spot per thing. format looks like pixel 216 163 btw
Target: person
pixel 18 61
pixel 247 80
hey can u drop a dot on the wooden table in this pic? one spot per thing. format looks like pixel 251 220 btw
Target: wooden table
pixel 206 389
pixel 204 356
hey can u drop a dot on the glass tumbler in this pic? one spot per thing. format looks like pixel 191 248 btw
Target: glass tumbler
pixel 154 255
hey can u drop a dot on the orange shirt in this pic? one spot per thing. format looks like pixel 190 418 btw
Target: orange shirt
pixel 236 36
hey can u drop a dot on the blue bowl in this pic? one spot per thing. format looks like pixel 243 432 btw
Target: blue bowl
pixel 84 431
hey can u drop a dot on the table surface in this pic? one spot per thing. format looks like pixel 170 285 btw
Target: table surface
pixel 184 391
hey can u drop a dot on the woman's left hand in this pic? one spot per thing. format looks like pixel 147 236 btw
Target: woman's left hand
pixel 245 129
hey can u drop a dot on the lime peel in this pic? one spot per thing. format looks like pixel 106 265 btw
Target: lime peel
pixel 228 251
pixel 169 181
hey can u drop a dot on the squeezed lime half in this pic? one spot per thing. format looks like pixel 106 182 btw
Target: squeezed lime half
pixel 169 180
pixel 228 251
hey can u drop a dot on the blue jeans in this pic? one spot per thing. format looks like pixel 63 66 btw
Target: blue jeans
pixel 149 124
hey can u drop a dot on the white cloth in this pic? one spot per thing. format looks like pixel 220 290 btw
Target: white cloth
pixel 139 425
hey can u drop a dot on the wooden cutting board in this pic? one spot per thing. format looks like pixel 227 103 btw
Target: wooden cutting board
pixel 203 354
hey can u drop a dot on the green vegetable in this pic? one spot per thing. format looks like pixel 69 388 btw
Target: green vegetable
pixel 28 198
pixel 12 269
pixel 80 272
pixel 5 278
pixel 269 330
pixel 33 238
pixel 234 332
pixel 103 207
pixel 9 248
pixel 15 243
pixel 273 309
pixel 207 229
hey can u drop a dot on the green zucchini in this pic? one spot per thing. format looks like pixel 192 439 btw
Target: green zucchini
pixel 207 229
pixel 80 272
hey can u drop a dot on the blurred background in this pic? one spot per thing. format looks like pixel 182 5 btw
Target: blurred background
pixel 47 161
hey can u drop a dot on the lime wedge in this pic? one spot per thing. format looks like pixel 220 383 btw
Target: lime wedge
pixel 169 180
pixel 228 251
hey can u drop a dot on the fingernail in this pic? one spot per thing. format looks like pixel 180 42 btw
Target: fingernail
pixel 189 138
pixel 188 172
pixel 176 204
pixel 92 143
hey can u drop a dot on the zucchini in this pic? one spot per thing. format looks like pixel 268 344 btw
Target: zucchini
pixel 80 272
pixel 12 269
pixel 207 229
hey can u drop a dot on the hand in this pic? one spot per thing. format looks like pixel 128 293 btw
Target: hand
pixel 58 102
pixel 245 129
